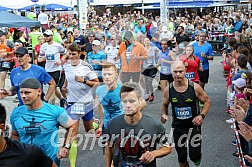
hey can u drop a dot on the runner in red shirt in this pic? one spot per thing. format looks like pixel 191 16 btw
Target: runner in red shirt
pixel 192 64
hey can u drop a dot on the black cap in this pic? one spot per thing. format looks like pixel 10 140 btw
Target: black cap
pixel 2 33
pixel 31 83
pixel 21 51
pixel 128 35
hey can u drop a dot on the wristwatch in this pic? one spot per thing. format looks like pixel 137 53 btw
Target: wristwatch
pixel 67 146
pixel 85 81
pixel 202 115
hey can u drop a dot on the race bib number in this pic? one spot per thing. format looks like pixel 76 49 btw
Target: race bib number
pixel 149 61
pixel 78 108
pixel 118 65
pixel 190 75
pixel 183 113
pixel 128 56
pixel 50 57
pixel 6 64
pixel 164 69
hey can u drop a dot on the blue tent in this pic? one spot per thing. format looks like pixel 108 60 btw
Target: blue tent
pixel 12 20
pixel 187 4
pixel 56 7
pixel 5 9
pixel 28 8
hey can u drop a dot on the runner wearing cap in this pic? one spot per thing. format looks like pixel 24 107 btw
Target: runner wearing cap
pixel 50 52
pixel 7 49
pixel 131 54
pixel 14 153
pixel 36 122
pixel 25 70
pixel 97 58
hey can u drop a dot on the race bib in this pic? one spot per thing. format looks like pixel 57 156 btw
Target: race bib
pixel 183 113
pixel 128 56
pixel 190 75
pixel 164 69
pixel 80 108
pixel 6 64
pixel 149 61
pixel 118 65
pixel 50 57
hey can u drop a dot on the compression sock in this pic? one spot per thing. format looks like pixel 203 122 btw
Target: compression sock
pixel 73 154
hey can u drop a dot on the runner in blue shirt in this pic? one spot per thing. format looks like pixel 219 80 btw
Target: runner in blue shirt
pixel 27 70
pixel 204 51
pixel 36 122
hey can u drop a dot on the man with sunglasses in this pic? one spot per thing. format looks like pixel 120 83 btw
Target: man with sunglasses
pixel 50 52
pixel 131 54
pixel 80 40
pixel 91 37
pixel 25 70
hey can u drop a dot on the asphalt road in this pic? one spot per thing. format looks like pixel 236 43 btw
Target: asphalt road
pixel 217 135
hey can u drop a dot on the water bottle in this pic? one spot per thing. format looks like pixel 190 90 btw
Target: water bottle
pixel 201 64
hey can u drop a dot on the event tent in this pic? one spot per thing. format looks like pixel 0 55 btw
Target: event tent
pixel 12 20
pixel 5 9
pixel 28 8
pixel 57 7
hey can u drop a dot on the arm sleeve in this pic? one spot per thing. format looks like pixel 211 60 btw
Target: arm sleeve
pixel 63 117
pixel 37 157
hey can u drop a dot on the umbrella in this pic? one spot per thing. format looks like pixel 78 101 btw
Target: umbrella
pixel 5 9
pixel 27 8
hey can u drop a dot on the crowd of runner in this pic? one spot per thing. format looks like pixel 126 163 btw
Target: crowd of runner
pixel 115 65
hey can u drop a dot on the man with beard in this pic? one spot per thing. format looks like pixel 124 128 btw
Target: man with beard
pixel 25 70
pixel 181 36
pixel 133 136
pixel 50 52
pixel 36 122
pixel 187 118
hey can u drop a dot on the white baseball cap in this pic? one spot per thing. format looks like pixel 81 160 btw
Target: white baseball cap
pixel 48 32
pixel 96 42
pixel 239 83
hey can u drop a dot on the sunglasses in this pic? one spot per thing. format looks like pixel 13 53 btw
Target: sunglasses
pixel 47 35
pixel 113 39
pixel 91 36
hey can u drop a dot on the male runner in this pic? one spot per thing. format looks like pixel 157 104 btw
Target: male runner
pixel 25 70
pixel 7 49
pixel 80 78
pixel 50 52
pixel 133 136
pixel 187 119
pixel 36 122
pixel 14 153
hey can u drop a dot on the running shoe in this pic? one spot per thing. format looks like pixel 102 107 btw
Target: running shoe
pixel 234 142
pixel 151 98
pixel 230 121
pixel 198 162
pixel 147 98
pixel 236 154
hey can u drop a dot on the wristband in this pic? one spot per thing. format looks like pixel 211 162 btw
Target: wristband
pixel 202 115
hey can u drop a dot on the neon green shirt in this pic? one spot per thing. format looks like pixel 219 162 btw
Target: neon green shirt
pixel 32 16
pixel 57 37
pixel 34 36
